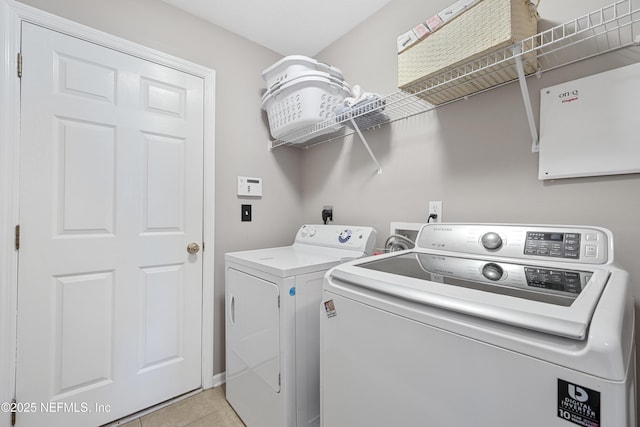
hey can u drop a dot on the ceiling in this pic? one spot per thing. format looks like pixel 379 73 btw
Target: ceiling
pixel 288 27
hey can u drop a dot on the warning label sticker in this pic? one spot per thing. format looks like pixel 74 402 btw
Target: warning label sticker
pixel 330 308
pixel 579 405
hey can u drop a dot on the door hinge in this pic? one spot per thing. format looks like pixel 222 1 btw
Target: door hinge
pixel 13 412
pixel 279 380
pixel 20 64
pixel 278 301
pixel 17 237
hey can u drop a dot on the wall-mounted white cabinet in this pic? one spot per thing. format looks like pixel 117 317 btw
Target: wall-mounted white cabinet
pixel 588 126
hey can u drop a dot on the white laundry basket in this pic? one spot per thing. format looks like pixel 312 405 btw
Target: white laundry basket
pixel 303 102
pixel 293 66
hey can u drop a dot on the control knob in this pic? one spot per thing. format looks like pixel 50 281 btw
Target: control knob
pixel 492 271
pixel 491 240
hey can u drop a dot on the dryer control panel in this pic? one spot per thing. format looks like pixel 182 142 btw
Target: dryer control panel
pixel 356 238
pixel 589 245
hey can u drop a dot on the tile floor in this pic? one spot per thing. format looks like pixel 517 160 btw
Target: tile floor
pixel 205 409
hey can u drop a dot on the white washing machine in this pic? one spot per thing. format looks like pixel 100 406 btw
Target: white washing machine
pixel 481 325
pixel 272 323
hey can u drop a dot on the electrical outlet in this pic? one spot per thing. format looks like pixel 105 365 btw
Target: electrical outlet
pixel 327 213
pixel 435 208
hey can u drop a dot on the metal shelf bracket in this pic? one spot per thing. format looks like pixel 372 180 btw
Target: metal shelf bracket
pixel 366 145
pixel 535 141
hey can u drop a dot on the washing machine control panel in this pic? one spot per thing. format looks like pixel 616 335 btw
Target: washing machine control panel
pixel 590 245
pixel 555 244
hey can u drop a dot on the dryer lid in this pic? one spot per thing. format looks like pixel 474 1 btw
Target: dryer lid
pixel 287 261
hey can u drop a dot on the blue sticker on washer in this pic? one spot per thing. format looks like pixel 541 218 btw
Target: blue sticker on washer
pixel 292 291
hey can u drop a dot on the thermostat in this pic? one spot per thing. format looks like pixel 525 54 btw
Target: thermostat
pixel 249 186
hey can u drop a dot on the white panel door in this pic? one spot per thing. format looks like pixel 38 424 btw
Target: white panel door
pixel 111 181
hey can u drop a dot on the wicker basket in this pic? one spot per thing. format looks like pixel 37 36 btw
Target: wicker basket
pixel 488 26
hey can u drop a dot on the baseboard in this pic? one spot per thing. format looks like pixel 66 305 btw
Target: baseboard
pixel 219 379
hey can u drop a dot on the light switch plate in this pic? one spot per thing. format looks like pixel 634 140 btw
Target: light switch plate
pixel 245 215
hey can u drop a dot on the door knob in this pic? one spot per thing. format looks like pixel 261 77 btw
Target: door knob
pixel 193 248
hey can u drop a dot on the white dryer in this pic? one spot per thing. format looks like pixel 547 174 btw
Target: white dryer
pixel 483 325
pixel 272 325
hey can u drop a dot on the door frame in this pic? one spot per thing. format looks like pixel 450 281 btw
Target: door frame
pixel 12 14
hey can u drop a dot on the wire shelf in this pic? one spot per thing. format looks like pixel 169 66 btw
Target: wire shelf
pixel 607 29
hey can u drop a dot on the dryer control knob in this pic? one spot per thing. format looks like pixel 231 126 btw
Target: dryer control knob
pixel 491 240
pixel 492 271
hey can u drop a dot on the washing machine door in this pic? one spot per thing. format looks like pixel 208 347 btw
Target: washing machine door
pixel 552 298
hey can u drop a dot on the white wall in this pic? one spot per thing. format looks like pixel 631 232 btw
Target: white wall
pixel 241 131
pixel 474 155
